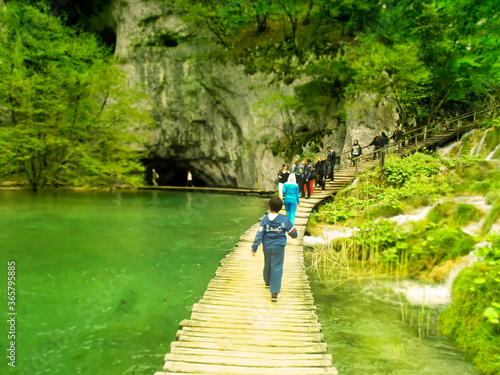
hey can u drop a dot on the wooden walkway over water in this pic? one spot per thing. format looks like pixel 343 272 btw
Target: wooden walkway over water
pixel 236 329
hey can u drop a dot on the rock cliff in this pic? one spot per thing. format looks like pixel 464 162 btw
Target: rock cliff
pixel 204 110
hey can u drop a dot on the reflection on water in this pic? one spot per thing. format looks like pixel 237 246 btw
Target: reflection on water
pixel 103 279
pixel 371 330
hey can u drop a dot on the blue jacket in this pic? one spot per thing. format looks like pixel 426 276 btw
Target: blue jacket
pixel 307 171
pixel 273 233
pixel 291 192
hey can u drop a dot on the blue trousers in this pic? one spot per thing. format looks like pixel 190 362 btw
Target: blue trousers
pixel 291 208
pixel 273 267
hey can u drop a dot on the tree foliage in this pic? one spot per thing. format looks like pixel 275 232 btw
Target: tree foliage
pixel 430 56
pixel 66 113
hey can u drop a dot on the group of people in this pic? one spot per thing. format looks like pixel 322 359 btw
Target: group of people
pixel 379 143
pixel 299 182
pixel 293 185
pixel 155 176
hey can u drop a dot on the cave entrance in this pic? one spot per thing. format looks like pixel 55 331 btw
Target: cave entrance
pixel 171 172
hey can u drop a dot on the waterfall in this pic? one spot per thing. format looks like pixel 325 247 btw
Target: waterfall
pixel 490 155
pixel 328 236
pixel 446 150
pixel 418 215
pixel 435 295
pixel 477 148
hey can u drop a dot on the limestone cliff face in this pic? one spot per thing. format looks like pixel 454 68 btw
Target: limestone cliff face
pixel 204 110
pixel 365 119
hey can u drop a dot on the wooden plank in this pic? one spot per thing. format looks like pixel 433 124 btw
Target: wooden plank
pixel 257 316
pixel 290 306
pixel 197 368
pixel 251 324
pixel 244 301
pixel 215 359
pixel 252 335
pixel 275 307
pixel 227 346
pixel 260 341
pixel 250 355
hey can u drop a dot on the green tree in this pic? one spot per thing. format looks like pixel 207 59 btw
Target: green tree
pixel 430 54
pixel 67 115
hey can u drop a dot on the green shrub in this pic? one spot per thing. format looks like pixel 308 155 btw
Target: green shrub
pixel 453 213
pixel 420 201
pixel 466 213
pixel 441 212
pixel 492 196
pixel 399 170
pixel 434 245
pixel 471 316
pixel 492 217
pixel 383 210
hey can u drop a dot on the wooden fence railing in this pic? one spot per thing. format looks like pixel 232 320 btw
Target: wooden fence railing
pixel 420 134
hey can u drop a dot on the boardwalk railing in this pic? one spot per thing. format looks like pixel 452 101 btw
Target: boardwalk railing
pixel 420 134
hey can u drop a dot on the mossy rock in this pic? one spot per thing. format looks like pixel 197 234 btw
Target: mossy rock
pixel 473 173
pixel 451 243
pixel 441 211
pixel 453 213
pixel 466 213
pixel 455 150
pixel 464 318
pixel 380 210
pixel 492 196
pixel 420 201
pixel 491 141
pixel 493 217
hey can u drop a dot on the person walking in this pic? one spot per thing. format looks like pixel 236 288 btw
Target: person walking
pixel 307 177
pixel 356 151
pixel 189 179
pixel 377 143
pixel 332 159
pixel 155 177
pixel 320 171
pixel 291 193
pixel 397 135
pixel 272 235
pixel 385 138
pixel 282 178
pixel 298 170
pixel 317 162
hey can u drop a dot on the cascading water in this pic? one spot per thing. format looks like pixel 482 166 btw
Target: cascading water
pixel 434 295
pixel 476 150
pixel 492 153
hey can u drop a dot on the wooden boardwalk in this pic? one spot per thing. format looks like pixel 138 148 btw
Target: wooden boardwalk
pixel 208 189
pixel 236 329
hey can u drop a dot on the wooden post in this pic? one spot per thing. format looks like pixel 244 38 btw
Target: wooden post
pixel 474 116
pixel 425 132
pixel 458 136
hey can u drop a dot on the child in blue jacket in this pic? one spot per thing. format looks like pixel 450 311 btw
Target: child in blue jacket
pixel 272 234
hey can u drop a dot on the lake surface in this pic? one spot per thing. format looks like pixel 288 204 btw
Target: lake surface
pixel 103 279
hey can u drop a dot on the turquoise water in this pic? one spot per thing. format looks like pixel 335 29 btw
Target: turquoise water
pixel 363 327
pixel 103 279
